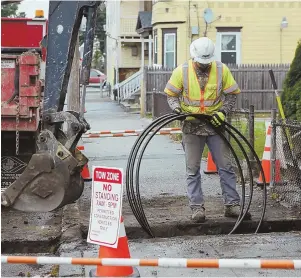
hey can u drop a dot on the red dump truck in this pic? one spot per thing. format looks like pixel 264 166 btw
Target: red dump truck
pixel 41 162
pixel 22 80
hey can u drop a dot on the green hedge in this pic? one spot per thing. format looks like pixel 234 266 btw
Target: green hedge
pixel 291 97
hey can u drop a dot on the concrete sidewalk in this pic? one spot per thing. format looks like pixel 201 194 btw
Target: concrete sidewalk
pixel 263 246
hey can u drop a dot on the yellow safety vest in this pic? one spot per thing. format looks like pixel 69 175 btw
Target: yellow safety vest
pixel 184 84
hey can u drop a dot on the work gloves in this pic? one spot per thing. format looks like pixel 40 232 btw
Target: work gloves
pixel 177 110
pixel 218 119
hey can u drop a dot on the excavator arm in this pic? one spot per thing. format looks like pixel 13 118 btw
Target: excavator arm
pixel 52 177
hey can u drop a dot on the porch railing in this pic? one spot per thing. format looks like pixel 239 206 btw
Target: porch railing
pixel 130 86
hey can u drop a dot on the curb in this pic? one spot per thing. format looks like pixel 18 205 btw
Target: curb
pixel 30 233
pixel 70 242
pixel 210 227
pixel 129 108
pixel 20 246
pixel 69 233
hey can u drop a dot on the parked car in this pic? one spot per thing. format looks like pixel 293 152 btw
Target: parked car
pixel 96 77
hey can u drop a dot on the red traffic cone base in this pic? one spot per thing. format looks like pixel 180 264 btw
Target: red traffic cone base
pixel 122 251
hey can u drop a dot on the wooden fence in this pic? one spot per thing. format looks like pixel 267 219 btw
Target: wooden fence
pixel 253 80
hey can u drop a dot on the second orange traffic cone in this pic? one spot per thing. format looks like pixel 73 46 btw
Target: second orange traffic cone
pixel 85 171
pixel 211 167
pixel 122 252
pixel 266 160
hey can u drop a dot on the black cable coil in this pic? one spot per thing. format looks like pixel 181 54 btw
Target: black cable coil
pixel 134 195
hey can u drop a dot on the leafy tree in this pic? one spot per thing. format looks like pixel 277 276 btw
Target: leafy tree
pixel 81 36
pixel 96 59
pixel 22 14
pixel 99 31
pixel 9 10
pixel 291 96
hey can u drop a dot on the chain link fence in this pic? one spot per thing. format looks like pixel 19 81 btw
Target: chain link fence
pixel 286 162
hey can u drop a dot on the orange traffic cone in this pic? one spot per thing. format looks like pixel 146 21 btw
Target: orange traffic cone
pixel 266 160
pixel 80 148
pixel 122 251
pixel 85 171
pixel 211 167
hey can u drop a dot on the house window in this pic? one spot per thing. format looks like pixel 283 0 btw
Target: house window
pixel 155 49
pixel 228 47
pixel 169 48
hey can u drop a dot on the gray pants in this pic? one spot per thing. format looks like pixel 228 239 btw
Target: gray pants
pixel 194 146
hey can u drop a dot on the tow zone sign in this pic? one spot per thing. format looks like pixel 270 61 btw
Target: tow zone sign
pixel 106 206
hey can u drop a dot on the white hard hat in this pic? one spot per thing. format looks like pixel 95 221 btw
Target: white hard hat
pixel 202 50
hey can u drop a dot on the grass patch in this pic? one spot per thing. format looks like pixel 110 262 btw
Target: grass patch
pixel 260 134
pixel 262 115
pixel 55 271
pixel 149 116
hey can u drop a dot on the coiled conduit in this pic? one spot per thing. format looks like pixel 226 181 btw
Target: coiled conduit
pixel 132 172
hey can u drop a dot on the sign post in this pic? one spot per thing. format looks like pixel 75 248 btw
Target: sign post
pixel 106 206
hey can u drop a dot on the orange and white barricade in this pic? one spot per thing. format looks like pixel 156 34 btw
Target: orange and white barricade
pixel 161 262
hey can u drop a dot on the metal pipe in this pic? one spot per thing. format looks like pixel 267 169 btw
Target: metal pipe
pixel 83 101
pixel 273 147
pixel 251 129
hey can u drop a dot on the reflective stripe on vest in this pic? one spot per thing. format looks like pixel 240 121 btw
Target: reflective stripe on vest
pixel 231 89
pixel 219 82
pixel 173 89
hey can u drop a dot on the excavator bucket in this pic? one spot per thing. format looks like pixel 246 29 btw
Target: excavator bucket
pixel 51 179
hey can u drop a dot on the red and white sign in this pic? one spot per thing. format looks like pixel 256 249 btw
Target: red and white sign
pixel 106 206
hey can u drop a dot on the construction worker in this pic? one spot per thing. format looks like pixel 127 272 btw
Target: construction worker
pixel 205 86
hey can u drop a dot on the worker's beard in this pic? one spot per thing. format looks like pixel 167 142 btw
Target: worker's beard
pixel 204 67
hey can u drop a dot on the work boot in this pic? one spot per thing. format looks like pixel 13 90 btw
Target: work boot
pixel 198 214
pixel 233 211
